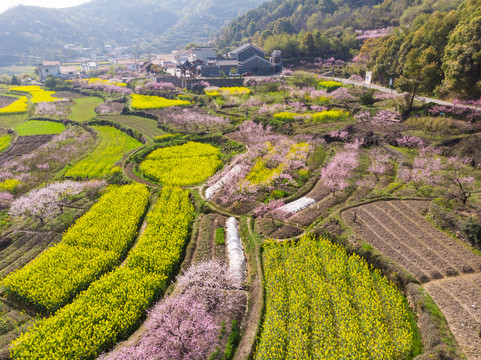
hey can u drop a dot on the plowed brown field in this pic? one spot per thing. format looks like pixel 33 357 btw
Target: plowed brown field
pixel 459 298
pixel 24 145
pixel 450 271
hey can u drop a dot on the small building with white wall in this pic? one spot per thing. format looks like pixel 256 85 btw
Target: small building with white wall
pixel 48 68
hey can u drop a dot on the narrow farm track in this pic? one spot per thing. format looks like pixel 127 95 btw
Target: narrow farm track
pixel 129 172
pixel 451 273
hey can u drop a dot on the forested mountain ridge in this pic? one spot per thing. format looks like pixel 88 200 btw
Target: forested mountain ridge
pixel 426 46
pixel 330 24
pixel 29 33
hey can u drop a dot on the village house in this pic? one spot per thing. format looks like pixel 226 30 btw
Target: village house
pixel 129 64
pixel 48 68
pixel 198 53
pixel 247 58
pixel 68 72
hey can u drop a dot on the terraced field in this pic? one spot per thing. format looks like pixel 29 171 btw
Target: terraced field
pixel 450 271
pixel 17 248
pixel 148 127
pixel 113 145
pixel 84 108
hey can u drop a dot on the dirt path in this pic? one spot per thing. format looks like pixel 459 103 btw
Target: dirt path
pixel 129 172
pixel 451 273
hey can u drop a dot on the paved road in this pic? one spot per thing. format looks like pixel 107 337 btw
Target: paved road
pixel 391 91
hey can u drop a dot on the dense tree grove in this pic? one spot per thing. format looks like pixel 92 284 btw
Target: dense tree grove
pixel 309 28
pixel 440 53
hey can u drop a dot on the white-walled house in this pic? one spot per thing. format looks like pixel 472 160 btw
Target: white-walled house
pixel 48 68
pixel 202 53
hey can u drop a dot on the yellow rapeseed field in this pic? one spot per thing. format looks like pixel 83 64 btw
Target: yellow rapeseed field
pixel 112 305
pixel 92 246
pixel 182 165
pixel 17 107
pixel 324 304
pixel 142 102
pixel 38 94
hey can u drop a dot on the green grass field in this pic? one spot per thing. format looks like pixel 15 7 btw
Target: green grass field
pixel 35 127
pixel 113 145
pixel 10 121
pixel 148 127
pixel 5 142
pixel 84 108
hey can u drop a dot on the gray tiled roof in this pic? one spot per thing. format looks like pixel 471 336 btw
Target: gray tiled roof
pixel 227 62
pixel 252 57
pixel 243 47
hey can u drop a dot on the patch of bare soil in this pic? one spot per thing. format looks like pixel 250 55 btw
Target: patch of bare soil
pixel 459 299
pixel 286 232
pixel 6 100
pixel 237 136
pixel 67 95
pixel 110 107
pixel 24 145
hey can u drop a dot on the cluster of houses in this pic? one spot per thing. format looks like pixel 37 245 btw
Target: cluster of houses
pixel 246 59
pixel 195 62
pixel 69 72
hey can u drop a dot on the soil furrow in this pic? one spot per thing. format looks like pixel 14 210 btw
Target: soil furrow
pixel 438 243
pixel 430 249
pixel 403 246
pixel 392 250
pixel 461 322
pixel 464 254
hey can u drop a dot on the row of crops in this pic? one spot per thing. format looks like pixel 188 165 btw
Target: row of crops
pixel 94 245
pixel 322 303
pixel 110 308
